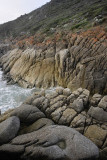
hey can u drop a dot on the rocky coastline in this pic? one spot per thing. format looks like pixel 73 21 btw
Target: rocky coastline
pixel 4 48
pixel 77 60
pixel 69 123
pixel 47 126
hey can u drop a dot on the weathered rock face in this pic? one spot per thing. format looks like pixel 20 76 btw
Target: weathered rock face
pixel 4 48
pixel 52 142
pixel 40 112
pixel 81 61
pixel 96 134
pixel 9 129
pixel 28 113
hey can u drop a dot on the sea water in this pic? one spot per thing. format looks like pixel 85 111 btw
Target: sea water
pixel 11 96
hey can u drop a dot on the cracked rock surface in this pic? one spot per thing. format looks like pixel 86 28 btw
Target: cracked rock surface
pixel 82 62
pixel 52 142
pixel 49 125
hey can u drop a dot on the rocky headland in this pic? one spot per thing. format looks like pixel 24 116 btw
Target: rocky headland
pixel 47 125
pixel 64 47
pixel 74 60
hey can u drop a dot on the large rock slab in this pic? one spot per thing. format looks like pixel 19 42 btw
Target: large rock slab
pixel 9 129
pixel 28 113
pixel 77 105
pixel 98 114
pixel 96 134
pixel 103 103
pixel 43 122
pixel 52 143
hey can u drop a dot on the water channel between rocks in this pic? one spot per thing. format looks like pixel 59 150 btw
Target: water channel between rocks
pixel 12 96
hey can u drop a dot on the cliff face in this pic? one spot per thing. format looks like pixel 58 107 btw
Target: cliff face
pixel 4 48
pixel 80 60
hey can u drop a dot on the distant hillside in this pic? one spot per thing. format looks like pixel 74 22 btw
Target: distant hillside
pixel 70 14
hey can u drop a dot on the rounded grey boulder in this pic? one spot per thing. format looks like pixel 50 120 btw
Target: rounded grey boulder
pixel 9 129
pixel 52 143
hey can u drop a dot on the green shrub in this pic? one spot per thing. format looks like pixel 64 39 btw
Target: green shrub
pixel 79 25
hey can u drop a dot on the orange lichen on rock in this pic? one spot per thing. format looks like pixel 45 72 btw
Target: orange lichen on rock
pixel 39 40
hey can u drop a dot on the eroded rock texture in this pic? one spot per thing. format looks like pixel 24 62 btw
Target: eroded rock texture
pixel 40 138
pixel 4 49
pixel 52 143
pixel 9 129
pixel 79 60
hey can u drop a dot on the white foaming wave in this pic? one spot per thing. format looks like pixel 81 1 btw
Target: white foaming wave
pixel 11 96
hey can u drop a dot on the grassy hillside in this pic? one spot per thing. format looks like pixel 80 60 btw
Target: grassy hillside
pixel 67 14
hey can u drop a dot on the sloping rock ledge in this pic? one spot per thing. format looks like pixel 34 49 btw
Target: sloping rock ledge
pixel 78 60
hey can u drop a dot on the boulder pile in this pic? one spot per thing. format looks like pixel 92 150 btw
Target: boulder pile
pixel 47 126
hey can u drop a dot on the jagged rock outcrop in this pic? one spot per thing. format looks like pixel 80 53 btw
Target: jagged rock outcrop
pixel 4 49
pixel 40 112
pixel 79 61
